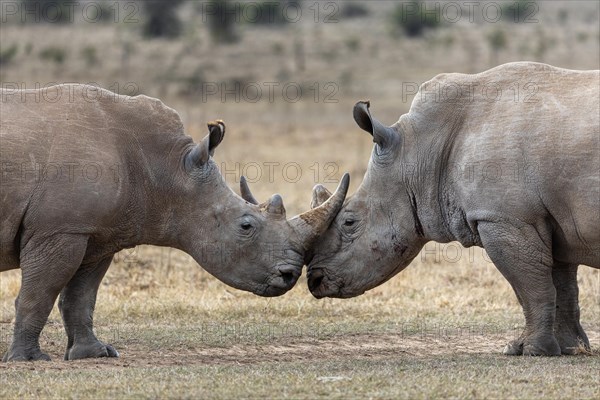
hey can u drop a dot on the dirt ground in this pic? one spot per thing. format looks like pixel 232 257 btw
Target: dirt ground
pixel 357 346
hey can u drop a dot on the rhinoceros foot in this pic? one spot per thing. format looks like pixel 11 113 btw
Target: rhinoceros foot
pixel 541 346
pixel 533 346
pixel 569 333
pixel 25 355
pixel 90 350
pixel 514 348
pixel 572 343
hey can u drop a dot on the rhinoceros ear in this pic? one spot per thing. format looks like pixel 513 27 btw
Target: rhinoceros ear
pixel 206 148
pixel 320 195
pixel 383 135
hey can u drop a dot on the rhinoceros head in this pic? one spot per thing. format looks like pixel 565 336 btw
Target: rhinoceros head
pixel 246 244
pixel 373 236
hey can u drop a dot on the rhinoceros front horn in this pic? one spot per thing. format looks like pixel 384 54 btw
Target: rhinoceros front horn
pixel 312 224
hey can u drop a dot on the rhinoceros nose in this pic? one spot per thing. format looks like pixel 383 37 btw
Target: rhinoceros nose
pixel 289 273
pixel 315 278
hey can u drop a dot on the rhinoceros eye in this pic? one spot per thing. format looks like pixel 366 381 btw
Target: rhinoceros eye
pixel 349 222
pixel 247 226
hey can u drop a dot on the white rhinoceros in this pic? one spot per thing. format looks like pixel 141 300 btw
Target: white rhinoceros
pixel 86 173
pixel 508 160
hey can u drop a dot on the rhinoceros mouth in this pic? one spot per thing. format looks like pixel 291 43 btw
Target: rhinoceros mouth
pixel 315 280
pixel 286 277
pixel 320 285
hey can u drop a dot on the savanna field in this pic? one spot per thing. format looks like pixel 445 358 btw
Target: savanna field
pixel 436 330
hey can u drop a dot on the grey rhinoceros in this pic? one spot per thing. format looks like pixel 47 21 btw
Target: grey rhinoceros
pixel 508 160
pixel 86 173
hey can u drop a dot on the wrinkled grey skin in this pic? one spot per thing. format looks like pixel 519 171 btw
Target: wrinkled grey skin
pixel 118 171
pixel 519 178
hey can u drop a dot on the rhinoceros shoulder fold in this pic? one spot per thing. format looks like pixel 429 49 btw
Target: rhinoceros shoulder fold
pixel 143 111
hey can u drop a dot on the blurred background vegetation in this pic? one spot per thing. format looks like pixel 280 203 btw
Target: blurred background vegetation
pixel 170 49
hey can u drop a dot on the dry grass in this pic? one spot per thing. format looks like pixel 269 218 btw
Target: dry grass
pixel 399 377
pixel 435 330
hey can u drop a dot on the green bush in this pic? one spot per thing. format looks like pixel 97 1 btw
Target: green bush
pixel 354 10
pixel 161 18
pixel 413 18
pixel 64 13
pixel 8 54
pixel 55 54
pixel 542 46
pixel 278 48
pixel 582 37
pixel 353 44
pixel 497 41
pixel 265 13
pixel 192 85
pixel 90 56
pixel 221 21
pixel 520 11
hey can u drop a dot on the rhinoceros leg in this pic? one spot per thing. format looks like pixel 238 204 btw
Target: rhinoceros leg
pixel 525 260
pixel 46 266
pixel 76 304
pixel 567 328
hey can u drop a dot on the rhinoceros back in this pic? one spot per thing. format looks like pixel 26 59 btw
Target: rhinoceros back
pixel 64 152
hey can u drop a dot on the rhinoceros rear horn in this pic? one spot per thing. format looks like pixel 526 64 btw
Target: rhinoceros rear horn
pixel 206 148
pixel 245 192
pixel 274 207
pixel 312 224
pixel 320 195
pixel 383 135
